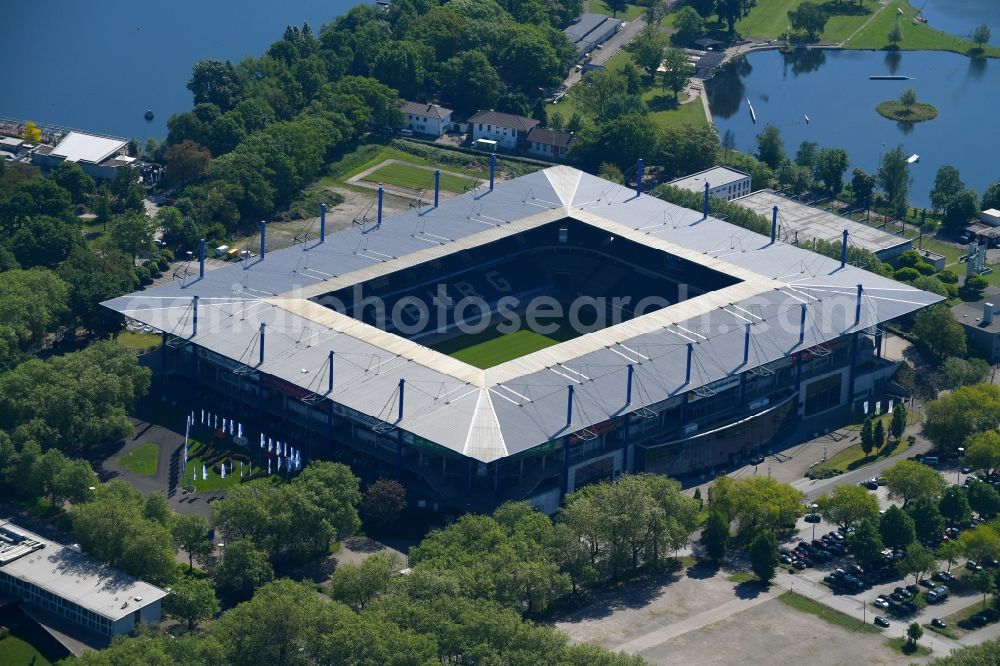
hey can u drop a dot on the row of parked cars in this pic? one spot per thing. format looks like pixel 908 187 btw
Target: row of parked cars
pixel 808 554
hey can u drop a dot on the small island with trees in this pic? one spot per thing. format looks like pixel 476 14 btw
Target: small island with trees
pixel 907 108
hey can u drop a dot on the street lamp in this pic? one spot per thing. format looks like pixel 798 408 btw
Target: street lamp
pixel 814 506
pixel 958 472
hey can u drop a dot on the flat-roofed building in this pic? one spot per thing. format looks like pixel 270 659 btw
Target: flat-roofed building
pixel 65 582
pixel 723 182
pixel 799 223
pixel 99 156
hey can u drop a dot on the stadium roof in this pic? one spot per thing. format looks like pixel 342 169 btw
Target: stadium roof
pixel 515 406
pixel 808 222
pixel 80 147
pixel 70 574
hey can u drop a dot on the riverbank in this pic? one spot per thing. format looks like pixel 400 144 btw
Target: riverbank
pixel 916 36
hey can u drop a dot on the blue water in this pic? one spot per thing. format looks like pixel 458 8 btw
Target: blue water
pixel 833 89
pixel 99 64
pixel 960 17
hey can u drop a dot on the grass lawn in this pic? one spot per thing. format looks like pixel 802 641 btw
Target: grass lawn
pixel 632 11
pixel 741 577
pixel 903 646
pixel 416 178
pixel 15 652
pixel 495 348
pixel 959 616
pixel 141 460
pixel 769 20
pixel 139 342
pixel 916 36
pixel 946 632
pixel 854 457
pixel 199 453
pixel 895 110
pixel 951 252
pixel 368 155
pixel 807 605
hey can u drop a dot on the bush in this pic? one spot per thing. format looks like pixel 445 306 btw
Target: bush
pixel 948 276
pixel 924 268
pixel 143 274
pixel 976 283
pixel 824 473
pixel 907 274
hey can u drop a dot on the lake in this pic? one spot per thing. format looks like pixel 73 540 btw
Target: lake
pixel 960 17
pixel 99 65
pixel 833 89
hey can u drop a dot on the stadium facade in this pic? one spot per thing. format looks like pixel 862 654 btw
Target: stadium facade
pixel 701 342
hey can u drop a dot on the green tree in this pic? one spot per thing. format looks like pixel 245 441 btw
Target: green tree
pixel 191 599
pixel 215 82
pixel 757 503
pixel 677 71
pixel 914 632
pixel 983 499
pixel 732 11
pixel 954 506
pixel 770 147
pixel 947 183
pixel 469 82
pixel 981 35
pixel 688 26
pixel 847 506
pixel 763 555
pixel 927 518
pixel 985 583
pixel 190 534
pixel 908 98
pixel 611 172
pixel 980 543
pixel 950 551
pixel 96 277
pixel 862 187
pixel 878 435
pixel 830 165
pixel 895 35
pixel 910 481
pixel 620 141
pixel 982 451
pixel 865 543
pixel 991 197
pixel 243 569
pixel 868 436
pixel 894 179
pixel 383 502
pixel 951 420
pixel 715 536
pixel 809 17
pixel 186 162
pixel 71 177
pixel 918 562
pixel 806 154
pixel 896 528
pixel 898 424
pixel 132 233
pixel 960 208
pixel 648 49
pixel 357 584
pixel 957 372
pixel 939 333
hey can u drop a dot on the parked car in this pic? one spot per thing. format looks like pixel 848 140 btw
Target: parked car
pixel 881 621
pixel 972 565
pixel 928 583
pixel 943 576
pixel 939 623
pixel 757 459
pixel 939 593
pixel 812 518
pixel 977 621
pixel 880 603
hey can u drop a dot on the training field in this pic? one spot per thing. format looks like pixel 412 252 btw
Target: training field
pixel 414 177
pixel 489 348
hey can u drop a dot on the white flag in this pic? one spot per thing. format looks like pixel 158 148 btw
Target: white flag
pixel 878 407
pixel 269 444
pixel 223 470
pixel 239 430
pixel 866 406
pixel 279 463
pixel 268 465
pixel 889 410
pixel 216 421
pixel 204 473
pixel 261 440
pixel 241 469
pixel 203 417
pixel 230 426
pixel 286 449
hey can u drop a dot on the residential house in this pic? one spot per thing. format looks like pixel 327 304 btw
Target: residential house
pixel 508 130
pixel 429 119
pixel 549 144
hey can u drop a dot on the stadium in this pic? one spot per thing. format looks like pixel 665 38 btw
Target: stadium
pixel 522 340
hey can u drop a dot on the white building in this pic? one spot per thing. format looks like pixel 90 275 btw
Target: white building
pixel 99 156
pixel 723 182
pixel 508 130
pixel 65 582
pixel 990 216
pixel 429 119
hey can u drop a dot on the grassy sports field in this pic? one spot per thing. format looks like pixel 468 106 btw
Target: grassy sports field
pixel 491 347
pixel 414 177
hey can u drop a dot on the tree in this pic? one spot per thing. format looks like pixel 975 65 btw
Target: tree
pixel 770 148
pixel 757 503
pixel 927 519
pixel 190 534
pixel 71 177
pixel 982 451
pixel 984 499
pixel 914 632
pixel 715 536
pixel 895 35
pixel 688 26
pixel 954 506
pixel 677 71
pixel 894 179
pixel 991 197
pixel 527 59
pixel 950 551
pixel 829 167
pixel 981 35
pixel 809 17
pixel 985 583
pixel 191 599
pixel 186 162
pixel 947 183
pixel 909 481
pixel 215 82
pixel 763 555
pixel 862 187
pixel 132 233
pixel 732 11
pixel 878 435
pixel 383 502
pixel 896 528
pixel 939 333
pixel 703 7
pixel 31 133
pixel 898 424
pixel 94 278
pixel 918 561
pixel 847 506
pixel 469 82
pixel 609 171
pixel 648 49
pixel 243 569
pixel 957 372
pixel 357 584
pixel 980 543
pixel 868 436
pixel 908 98
pixel 960 208
pixel 865 543
pixel 960 414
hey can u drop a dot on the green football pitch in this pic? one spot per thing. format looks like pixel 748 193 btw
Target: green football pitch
pixel 490 348
pixel 416 178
